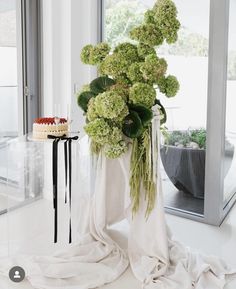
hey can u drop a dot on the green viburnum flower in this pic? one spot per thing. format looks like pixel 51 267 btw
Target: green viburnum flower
pixel 121 89
pixel 149 17
pixel 142 93
pixel 127 51
pixel 91 112
pixel 166 19
pixel 99 52
pixel 114 65
pixel 153 68
pixel 134 72
pixel 149 34
pixel 109 104
pixel 123 79
pixel 85 54
pixel 115 136
pixel 116 150
pixel 144 50
pixel 99 130
pixel 168 85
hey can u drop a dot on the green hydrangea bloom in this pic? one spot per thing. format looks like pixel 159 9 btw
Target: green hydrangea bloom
pixel 116 150
pixel 168 85
pixel 115 136
pixel 109 104
pixel 149 34
pixel 149 17
pixel 153 68
pixel 127 51
pixel 85 54
pixel 134 72
pixel 99 52
pixel 123 79
pixel 121 89
pixel 144 50
pixel 119 119
pixel 166 19
pixel 91 112
pixel 99 130
pixel 114 65
pixel 142 93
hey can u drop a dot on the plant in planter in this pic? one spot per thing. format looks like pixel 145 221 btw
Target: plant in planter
pixel 118 104
pixel 183 157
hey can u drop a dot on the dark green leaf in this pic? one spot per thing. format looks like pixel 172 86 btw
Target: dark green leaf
pixel 101 84
pixel 144 113
pixel 83 99
pixel 132 126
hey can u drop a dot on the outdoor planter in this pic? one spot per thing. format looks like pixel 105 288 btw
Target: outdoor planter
pixel 185 168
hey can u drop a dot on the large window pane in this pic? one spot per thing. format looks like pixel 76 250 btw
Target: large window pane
pixel 184 158
pixel 8 70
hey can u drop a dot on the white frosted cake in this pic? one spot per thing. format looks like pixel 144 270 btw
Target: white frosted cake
pixel 45 126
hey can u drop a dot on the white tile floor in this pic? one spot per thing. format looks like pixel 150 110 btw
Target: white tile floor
pixel 220 241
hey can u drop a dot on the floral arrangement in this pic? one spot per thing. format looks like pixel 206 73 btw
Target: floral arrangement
pixel 118 104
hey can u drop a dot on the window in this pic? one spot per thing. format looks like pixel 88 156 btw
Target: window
pixel 194 166
pixel 19 76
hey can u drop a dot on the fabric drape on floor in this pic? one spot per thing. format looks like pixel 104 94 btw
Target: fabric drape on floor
pixel 96 259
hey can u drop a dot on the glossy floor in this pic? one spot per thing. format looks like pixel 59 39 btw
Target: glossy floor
pixel 206 239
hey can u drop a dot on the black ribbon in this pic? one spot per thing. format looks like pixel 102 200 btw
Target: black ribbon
pixel 68 177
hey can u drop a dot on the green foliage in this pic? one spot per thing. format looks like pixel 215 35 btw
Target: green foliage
pixel 101 84
pixel 132 125
pixel 186 137
pixel 142 93
pixel 144 113
pixel 84 98
pixel 199 136
pixel 118 104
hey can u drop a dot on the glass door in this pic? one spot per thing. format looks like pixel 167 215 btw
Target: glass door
pixel 10 116
pixel 19 85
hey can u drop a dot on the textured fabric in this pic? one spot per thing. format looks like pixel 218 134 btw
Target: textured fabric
pixel 156 259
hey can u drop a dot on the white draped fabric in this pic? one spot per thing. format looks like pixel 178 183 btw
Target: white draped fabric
pixel 156 260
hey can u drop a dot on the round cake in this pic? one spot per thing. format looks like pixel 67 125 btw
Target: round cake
pixel 45 126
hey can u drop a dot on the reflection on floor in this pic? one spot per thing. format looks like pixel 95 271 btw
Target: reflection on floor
pixel 29 230
pixel 173 198
pixel 180 200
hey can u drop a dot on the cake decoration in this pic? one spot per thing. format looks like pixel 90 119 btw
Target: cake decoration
pixel 45 126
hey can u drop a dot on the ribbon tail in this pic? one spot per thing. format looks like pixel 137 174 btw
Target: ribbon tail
pixel 70 174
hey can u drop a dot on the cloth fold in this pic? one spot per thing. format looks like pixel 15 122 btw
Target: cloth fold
pixel 157 261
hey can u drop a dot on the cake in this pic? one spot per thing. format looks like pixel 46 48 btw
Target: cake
pixel 45 126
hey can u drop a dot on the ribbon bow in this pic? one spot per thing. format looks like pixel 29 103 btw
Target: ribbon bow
pixel 68 179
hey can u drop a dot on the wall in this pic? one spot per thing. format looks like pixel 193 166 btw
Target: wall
pixel 67 26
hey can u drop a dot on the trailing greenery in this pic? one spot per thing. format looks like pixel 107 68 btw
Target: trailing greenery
pixel 118 104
